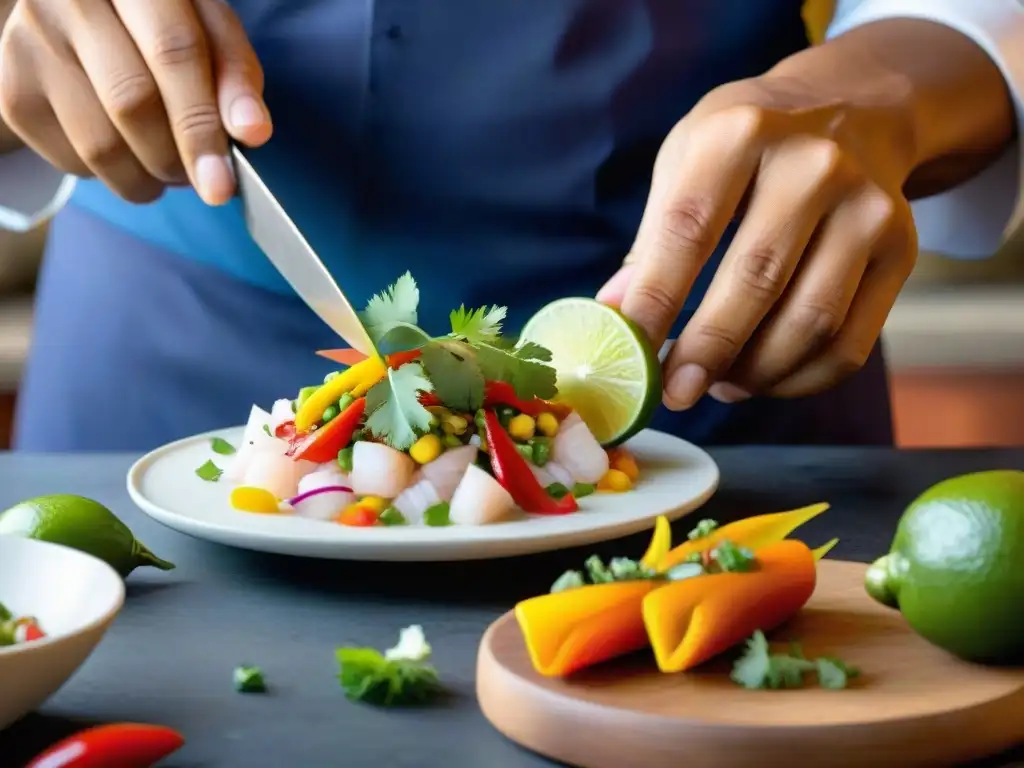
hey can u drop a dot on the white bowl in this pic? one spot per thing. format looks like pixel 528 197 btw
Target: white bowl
pixel 74 596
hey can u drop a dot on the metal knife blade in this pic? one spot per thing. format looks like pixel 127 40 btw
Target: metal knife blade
pixel 282 242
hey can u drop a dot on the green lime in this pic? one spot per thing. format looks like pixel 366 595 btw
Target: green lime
pixel 607 369
pixel 81 524
pixel 955 566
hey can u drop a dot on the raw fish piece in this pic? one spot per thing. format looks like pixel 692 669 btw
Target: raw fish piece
pixel 479 499
pixel 379 470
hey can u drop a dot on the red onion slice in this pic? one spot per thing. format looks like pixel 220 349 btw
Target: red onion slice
pixel 317 491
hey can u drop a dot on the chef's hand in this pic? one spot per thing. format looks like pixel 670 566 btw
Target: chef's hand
pixel 825 241
pixel 142 94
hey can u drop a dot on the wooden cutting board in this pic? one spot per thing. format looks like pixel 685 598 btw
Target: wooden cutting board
pixel 913 705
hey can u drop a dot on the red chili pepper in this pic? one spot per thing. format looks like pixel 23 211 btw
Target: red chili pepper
pixel 119 745
pixel 512 471
pixel 286 430
pixel 503 393
pixel 322 445
pixel 33 631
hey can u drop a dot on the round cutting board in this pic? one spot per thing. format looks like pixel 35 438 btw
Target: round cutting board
pixel 913 705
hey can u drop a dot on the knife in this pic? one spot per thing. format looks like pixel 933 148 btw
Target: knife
pixel 282 242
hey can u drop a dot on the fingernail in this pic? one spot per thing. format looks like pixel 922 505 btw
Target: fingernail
pixel 215 179
pixel 246 112
pixel 724 392
pixel 685 386
pixel 615 289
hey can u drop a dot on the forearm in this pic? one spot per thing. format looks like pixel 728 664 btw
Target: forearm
pixel 946 96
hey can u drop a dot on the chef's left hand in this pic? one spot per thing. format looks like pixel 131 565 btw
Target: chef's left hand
pixel 826 240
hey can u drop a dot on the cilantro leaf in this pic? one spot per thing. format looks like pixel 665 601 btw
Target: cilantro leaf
pixel 481 324
pixel 209 472
pixel 731 558
pixel 531 350
pixel 833 673
pixel 396 414
pixel 391 315
pixel 758 667
pixel 399 677
pixel 223 447
pixel 529 377
pixel 456 375
pixel 704 528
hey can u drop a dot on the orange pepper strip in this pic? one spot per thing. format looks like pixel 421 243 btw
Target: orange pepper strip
pixel 752 533
pixel 343 356
pixel 691 621
pixel 567 631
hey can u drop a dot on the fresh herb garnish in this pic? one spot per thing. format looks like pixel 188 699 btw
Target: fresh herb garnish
pixel 391 315
pixel 476 325
pixel 400 676
pixel 569 580
pixel 733 559
pixel 438 515
pixel 266 429
pixel 223 447
pixel 617 569
pixel 5 615
pixel 685 570
pixel 702 530
pixel 209 472
pixel 579 490
pixel 391 516
pixel 249 679
pixel 455 373
pixel 396 414
pixel 758 668
pixel 523 367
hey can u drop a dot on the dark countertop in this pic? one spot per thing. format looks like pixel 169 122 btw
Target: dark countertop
pixel 169 656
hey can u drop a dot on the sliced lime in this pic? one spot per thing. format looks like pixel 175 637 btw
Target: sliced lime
pixel 607 369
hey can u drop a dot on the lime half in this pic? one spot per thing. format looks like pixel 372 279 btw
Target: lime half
pixel 607 369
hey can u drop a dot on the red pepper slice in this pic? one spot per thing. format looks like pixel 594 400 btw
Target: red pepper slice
pixel 285 430
pixel 119 745
pixel 322 445
pixel 515 476
pixel 352 357
pixel 503 393
pixel 33 631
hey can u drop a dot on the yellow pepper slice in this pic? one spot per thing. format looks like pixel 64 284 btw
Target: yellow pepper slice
pixel 661 543
pixel 752 533
pixel 260 501
pixel 567 631
pixel 356 381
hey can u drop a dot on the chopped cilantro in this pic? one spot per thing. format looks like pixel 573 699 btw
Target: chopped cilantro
pixel 437 515
pixel 209 472
pixel 456 376
pixel 223 447
pixel 401 676
pixel 480 324
pixel 266 428
pixel 758 667
pixel 396 414
pixel 392 315
pixel 684 570
pixel 568 580
pixel 695 557
pixel 703 529
pixel 249 679
pixel 617 569
pixel 734 559
pixel 391 516
pixel 523 368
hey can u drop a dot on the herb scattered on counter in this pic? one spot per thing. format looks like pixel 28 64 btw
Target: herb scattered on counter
pixel 249 679
pixel 223 447
pixel 702 530
pixel 209 472
pixel 759 668
pixel 400 676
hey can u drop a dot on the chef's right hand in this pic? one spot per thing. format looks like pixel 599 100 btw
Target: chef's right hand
pixel 141 94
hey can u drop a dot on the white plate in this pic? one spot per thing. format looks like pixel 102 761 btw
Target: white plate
pixel 73 595
pixel 676 477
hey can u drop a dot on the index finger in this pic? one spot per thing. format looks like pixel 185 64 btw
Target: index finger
pixel 173 43
pixel 693 197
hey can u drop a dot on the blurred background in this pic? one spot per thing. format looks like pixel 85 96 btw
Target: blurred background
pixel 955 342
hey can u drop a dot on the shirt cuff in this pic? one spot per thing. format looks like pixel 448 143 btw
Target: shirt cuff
pixel 31 190
pixel 975 218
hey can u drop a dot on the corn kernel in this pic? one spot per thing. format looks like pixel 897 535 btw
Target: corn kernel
pixel 547 424
pixel 376 503
pixel 522 427
pixel 426 449
pixel 454 425
pixel 614 481
pixel 623 461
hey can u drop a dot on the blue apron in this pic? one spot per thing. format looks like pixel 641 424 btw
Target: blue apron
pixel 499 150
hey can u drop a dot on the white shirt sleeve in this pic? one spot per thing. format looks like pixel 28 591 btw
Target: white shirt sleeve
pixel 31 190
pixel 972 220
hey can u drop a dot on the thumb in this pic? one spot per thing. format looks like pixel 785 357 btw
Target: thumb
pixel 237 74
pixel 613 292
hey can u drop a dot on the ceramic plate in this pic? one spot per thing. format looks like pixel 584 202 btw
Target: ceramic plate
pixel 676 478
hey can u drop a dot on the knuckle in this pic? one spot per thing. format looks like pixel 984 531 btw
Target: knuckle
pixel 742 123
pixel 177 44
pixel 824 158
pixel 661 302
pixel 848 359
pixel 817 322
pixel 717 343
pixel 763 271
pixel 197 120
pixel 879 212
pixel 103 149
pixel 687 225
pixel 131 94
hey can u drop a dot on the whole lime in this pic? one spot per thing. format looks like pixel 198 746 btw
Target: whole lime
pixel 82 524
pixel 956 566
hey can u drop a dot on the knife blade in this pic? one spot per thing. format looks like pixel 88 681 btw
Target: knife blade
pixel 286 248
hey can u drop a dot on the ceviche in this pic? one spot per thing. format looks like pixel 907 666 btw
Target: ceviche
pixel 15 630
pixel 466 429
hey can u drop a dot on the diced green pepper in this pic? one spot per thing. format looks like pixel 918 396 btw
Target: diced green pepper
pixel 392 516
pixel 249 679
pixel 541 450
pixel 437 515
pixel 579 490
pixel 345 459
